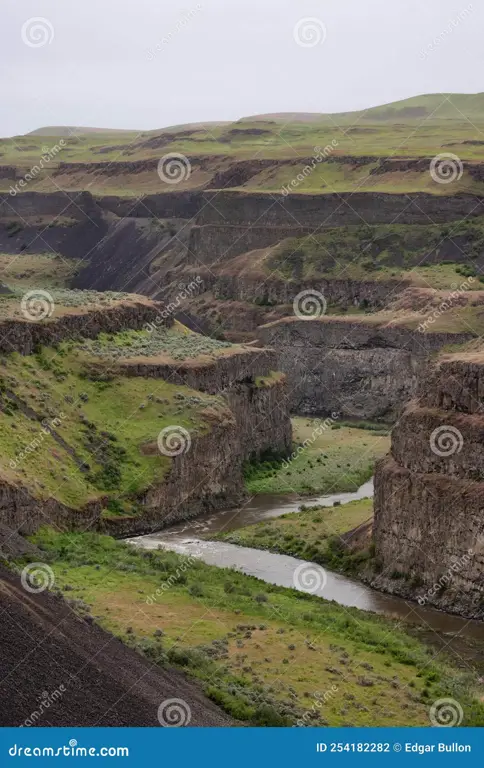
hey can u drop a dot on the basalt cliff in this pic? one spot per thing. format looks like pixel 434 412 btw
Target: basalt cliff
pixel 429 492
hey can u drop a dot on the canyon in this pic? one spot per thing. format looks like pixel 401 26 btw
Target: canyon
pixel 391 257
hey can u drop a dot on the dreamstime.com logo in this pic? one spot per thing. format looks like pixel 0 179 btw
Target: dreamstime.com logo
pixel 447 578
pixel 321 153
pixel 320 699
pixel 310 578
pixel 72 749
pixel 442 36
pixel 37 305
pixel 446 441
pixel 174 713
pixel 171 580
pixel 37 577
pixel 317 432
pixel 186 292
pixel 446 168
pixel 173 441
pixel 446 713
pixel 46 701
pixel 449 302
pixel 174 168
pixel 37 32
pixel 179 26
pixel 309 32
pixel 309 304
pixel 48 155
pixel 35 444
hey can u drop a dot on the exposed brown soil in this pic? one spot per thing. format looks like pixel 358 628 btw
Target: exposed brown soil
pixel 44 645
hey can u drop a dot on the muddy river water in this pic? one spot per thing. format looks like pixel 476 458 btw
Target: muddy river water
pixel 186 539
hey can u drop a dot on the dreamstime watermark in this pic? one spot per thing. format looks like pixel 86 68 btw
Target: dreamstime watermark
pixel 46 701
pixel 317 432
pixel 37 305
pixel 173 441
pixel 446 168
pixel 36 443
pixel 37 32
pixel 442 36
pixel 309 304
pixel 172 580
pixel 186 292
pixel 37 577
pixel 447 578
pixel 174 713
pixel 48 154
pixel 446 441
pixel 174 168
pixel 310 578
pixel 321 153
pixel 446 713
pixel 68 750
pixel 446 305
pixel 309 32
pixel 320 700
pixel 179 26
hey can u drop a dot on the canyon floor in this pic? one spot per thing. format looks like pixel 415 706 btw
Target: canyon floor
pixel 266 655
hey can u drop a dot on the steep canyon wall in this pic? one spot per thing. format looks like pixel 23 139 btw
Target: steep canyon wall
pixel 360 368
pixel 429 493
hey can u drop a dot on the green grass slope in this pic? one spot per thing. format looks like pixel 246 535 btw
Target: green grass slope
pixel 98 423
pixel 444 106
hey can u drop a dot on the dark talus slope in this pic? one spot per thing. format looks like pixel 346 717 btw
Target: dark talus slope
pixel 44 645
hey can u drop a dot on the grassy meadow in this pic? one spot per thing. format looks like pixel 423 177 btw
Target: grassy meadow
pixel 334 459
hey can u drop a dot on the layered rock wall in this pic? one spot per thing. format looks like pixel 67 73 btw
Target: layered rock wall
pixel 218 226
pixel 359 368
pixel 275 291
pixel 207 478
pixel 23 336
pixel 429 493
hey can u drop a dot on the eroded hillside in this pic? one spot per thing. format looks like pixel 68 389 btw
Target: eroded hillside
pixel 117 418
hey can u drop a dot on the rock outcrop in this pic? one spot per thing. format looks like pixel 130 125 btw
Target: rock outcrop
pixel 133 312
pixel 256 394
pixel 205 478
pixel 429 493
pixel 247 417
pixel 363 367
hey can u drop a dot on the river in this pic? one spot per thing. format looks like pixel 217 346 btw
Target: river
pixel 185 538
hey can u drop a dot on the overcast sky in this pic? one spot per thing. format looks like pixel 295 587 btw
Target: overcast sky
pixel 153 63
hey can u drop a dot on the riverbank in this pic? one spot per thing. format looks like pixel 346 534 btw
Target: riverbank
pixel 266 654
pixel 328 457
pixel 337 537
